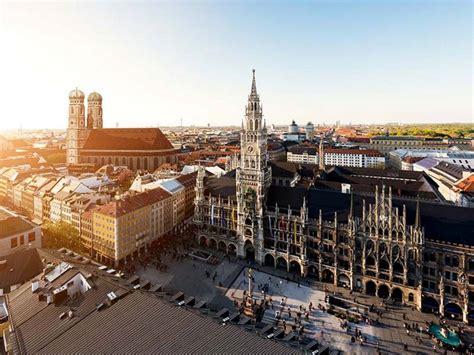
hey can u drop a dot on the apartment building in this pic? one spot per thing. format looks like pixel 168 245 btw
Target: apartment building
pixel 17 233
pixel 122 228
pixel 360 158
pixel 405 159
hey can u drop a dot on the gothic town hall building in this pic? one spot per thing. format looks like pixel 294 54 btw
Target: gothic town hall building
pixel 419 253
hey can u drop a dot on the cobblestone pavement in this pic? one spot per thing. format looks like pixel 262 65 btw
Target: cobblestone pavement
pixel 189 276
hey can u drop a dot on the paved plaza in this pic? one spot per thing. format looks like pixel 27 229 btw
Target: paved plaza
pixel 223 283
pixel 189 277
pixel 287 298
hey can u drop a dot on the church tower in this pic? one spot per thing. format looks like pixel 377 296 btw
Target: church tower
pixel 253 179
pixel 76 134
pixel 94 111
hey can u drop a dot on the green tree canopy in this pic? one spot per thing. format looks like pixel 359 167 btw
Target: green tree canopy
pixel 59 235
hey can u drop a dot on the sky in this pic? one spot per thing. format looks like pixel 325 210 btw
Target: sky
pixel 160 62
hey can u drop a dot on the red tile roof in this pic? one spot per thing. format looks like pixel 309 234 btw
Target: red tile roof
pixel 466 184
pixel 359 139
pixel 132 203
pixel 127 139
pixel 188 179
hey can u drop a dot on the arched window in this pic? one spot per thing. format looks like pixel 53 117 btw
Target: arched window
pixel 369 246
pixel 398 267
pixel 471 264
pixel 369 261
pixel 383 264
pixel 400 236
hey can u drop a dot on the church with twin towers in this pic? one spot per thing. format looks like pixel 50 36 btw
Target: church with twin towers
pixel 377 243
pixel 88 142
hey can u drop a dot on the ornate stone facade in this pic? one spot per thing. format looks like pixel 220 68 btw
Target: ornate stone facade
pixel 376 244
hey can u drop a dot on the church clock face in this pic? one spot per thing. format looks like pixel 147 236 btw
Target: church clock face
pixel 250 149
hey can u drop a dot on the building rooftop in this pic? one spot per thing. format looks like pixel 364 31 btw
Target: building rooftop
pixel 133 202
pixel 110 318
pixel 12 224
pixel 127 139
pixel 397 138
pixel 188 179
pixel 446 223
pixel 466 184
pixel 223 186
pixel 450 169
pixel 427 163
pixel 172 186
pixel 19 267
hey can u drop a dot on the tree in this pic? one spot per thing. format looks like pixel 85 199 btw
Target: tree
pixel 61 235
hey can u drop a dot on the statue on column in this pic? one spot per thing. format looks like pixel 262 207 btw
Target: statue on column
pixel 251 309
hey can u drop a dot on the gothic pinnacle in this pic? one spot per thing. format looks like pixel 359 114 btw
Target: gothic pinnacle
pixel 254 85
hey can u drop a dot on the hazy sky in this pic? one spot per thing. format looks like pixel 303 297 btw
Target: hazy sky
pixel 155 62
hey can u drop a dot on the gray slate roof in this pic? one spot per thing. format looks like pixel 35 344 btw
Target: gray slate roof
pixel 139 322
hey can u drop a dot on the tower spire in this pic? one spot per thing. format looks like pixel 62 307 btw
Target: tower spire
pixel 253 91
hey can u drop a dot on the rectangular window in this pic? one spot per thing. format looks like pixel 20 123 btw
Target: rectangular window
pixel 13 243
pixel 22 239
pixel 31 237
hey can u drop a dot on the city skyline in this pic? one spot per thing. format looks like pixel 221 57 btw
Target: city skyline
pixel 155 63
